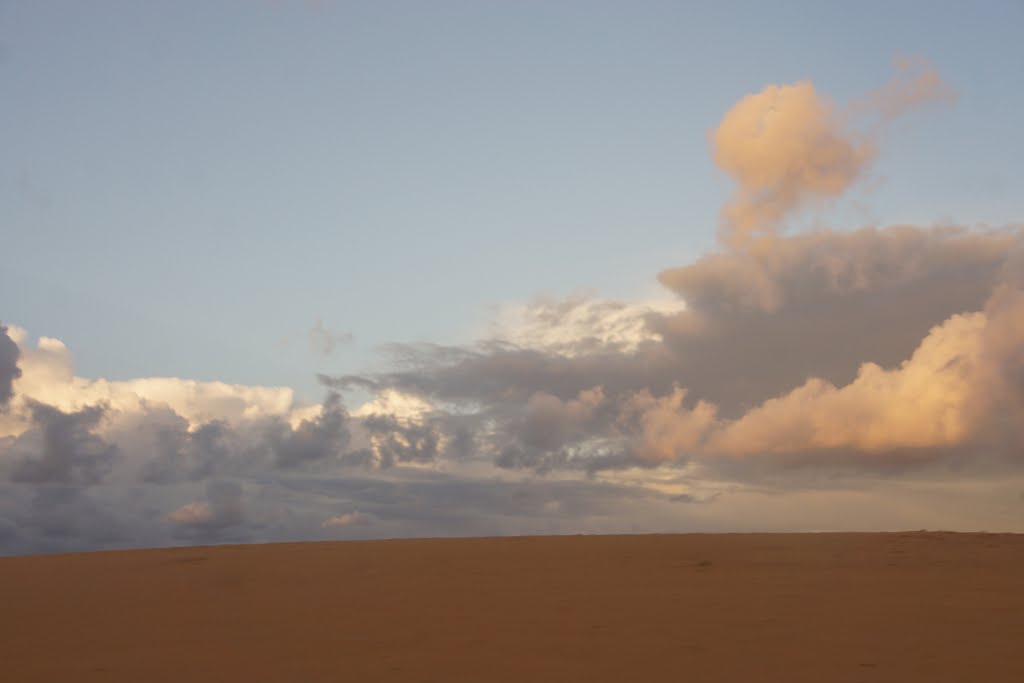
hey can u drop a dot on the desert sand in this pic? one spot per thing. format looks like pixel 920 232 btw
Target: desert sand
pixel 734 607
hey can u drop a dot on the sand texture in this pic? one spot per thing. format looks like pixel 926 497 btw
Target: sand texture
pixel 818 607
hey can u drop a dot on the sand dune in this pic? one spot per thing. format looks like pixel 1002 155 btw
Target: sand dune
pixel 816 607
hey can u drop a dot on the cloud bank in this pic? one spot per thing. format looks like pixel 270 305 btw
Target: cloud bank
pixel 862 379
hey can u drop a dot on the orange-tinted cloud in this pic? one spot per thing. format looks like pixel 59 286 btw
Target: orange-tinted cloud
pixel 783 146
pixel 788 146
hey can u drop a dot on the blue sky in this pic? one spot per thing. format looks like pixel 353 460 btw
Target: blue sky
pixel 186 187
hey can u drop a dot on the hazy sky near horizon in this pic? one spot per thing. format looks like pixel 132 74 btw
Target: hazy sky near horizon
pixel 189 187
pixel 307 270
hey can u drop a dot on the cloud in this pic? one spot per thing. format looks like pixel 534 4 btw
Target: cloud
pixel 181 454
pixel 933 399
pixel 323 341
pixel 60 518
pixel 545 432
pixel 869 379
pixel 783 146
pixel 839 344
pixel 788 146
pixel 917 82
pixel 403 408
pixel 314 439
pixel 191 514
pixel 221 509
pixel 9 370
pixel 47 376
pixel 61 448
pixel 580 324
pixel 344 520
pixel 549 421
pixel 822 304
pixel 664 428
pixel 877 342
pixel 818 305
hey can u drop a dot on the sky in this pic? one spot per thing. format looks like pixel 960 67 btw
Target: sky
pixel 306 270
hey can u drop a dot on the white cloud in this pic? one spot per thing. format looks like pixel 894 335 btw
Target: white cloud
pixel 580 324
pixel 48 377
pixel 344 520
pixel 191 513
pixel 404 407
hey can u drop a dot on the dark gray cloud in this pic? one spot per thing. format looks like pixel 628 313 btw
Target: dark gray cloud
pixel 327 436
pixel 288 506
pixel 415 503
pixel 9 370
pixel 218 449
pixel 494 377
pixel 62 518
pixel 183 455
pixel 820 305
pixel 424 504
pixel 220 515
pixel 398 441
pixel 61 448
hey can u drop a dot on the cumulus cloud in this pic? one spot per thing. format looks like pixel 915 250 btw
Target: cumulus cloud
pixel 313 439
pixel 47 376
pixel 933 399
pixel 549 421
pixel 822 304
pixel 783 146
pixel 664 429
pixel 788 146
pixel 61 448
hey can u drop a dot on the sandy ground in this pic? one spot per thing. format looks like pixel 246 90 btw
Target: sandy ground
pixel 816 607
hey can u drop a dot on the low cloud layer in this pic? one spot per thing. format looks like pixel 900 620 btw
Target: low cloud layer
pixel 863 379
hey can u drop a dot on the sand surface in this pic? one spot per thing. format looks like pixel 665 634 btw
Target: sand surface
pixel 818 607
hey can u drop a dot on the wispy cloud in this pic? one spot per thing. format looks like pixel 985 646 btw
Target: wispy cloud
pixel 324 342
